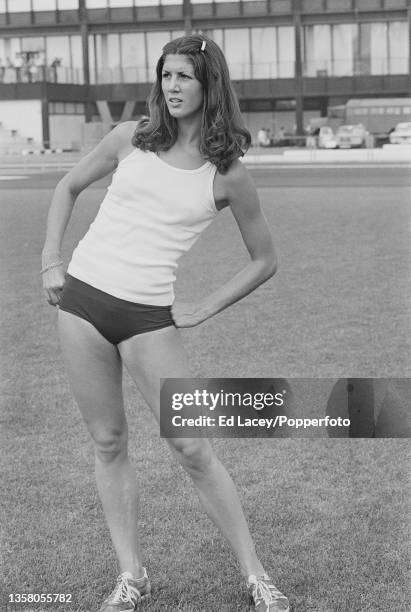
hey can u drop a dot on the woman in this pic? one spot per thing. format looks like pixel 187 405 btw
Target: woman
pixel 116 304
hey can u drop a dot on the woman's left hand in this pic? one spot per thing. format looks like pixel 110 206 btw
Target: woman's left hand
pixel 188 314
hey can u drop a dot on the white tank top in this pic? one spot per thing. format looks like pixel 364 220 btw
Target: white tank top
pixel 151 215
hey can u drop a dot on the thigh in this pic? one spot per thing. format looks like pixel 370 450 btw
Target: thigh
pixel 148 358
pixel 151 356
pixel 94 371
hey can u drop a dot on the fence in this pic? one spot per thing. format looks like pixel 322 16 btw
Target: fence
pixel 259 70
pixel 51 74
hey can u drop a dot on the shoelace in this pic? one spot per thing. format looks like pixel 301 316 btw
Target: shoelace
pixel 268 593
pixel 123 592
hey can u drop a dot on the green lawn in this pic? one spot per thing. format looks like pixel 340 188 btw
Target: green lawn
pixel 329 517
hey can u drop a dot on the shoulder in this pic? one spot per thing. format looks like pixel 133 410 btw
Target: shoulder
pixel 126 128
pixel 236 177
pixel 237 171
pixel 115 142
pixel 235 183
pixel 122 135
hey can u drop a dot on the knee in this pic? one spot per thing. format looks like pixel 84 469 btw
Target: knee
pixel 194 455
pixel 109 444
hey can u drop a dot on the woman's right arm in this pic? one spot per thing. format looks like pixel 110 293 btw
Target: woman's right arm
pixel 102 160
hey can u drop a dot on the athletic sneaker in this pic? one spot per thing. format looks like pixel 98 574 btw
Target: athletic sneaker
pixel 264 596
pixel 127 593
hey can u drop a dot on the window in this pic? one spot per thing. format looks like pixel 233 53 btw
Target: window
pixel 22 6
pixel 108 58
pixel 92 59
pixel 57 108
pixel 120 3
pixel 33 44
pixel 58 47
pixel 362 59
pixel 2 6
pixel 237 52
pixel 286 52
pixel 66 108
pixel 317 50
pixel 378 48
pixel 264 53
pixel 44 5
pixel 113 50
pixel 398 47
pixel 217 36
pixel 12 47
pixel 58 58
pixel 176 34
pixel 67 5
pixel 155 43
pixel 76 52
pixel 344 39
pixel 146 2
pixel 133 58
pixel 129 3
pixel 92 4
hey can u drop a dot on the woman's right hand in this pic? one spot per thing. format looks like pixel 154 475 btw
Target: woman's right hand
pixel 53 282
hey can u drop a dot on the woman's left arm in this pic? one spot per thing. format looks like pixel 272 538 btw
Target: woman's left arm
pixel 241 195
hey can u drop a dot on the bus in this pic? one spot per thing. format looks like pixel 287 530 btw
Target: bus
pixel 378 115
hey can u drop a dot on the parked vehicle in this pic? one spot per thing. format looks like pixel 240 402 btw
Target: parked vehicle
pixel 350 136
pixel 326 138
pixel 378 115
pixel 401 134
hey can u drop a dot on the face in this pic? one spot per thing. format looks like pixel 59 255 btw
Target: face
pixel 183 93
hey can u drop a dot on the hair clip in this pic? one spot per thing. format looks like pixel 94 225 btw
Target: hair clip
pixel 203 45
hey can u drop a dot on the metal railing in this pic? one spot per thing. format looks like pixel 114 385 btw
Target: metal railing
pixel 238 71
pixel 50 74
pixel 120 74
pixel 355 67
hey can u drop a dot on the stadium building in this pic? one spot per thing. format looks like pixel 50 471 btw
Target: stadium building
pixel 70 69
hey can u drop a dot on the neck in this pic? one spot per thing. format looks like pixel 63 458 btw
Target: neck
pixel 189 132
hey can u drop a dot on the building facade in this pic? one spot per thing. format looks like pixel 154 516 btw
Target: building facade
pixel 67 66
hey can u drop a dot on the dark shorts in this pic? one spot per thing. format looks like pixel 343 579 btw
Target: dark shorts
pixel 115 319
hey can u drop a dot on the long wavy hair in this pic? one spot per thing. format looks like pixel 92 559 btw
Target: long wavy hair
pixel 223 136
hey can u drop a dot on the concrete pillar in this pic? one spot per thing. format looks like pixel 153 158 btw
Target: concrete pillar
pixel 128 110
pixel 409 48
pixel 299 84
pixel 45 121
pixel 104 111
pixel 86 60
pixel 188 26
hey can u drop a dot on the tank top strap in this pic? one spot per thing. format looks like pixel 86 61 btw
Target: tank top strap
pixel 211 172
pixel 130 156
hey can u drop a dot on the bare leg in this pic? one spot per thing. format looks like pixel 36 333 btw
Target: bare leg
pixel 95 374
pixel 160 354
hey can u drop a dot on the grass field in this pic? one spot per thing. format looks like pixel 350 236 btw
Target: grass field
pixel 330 517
